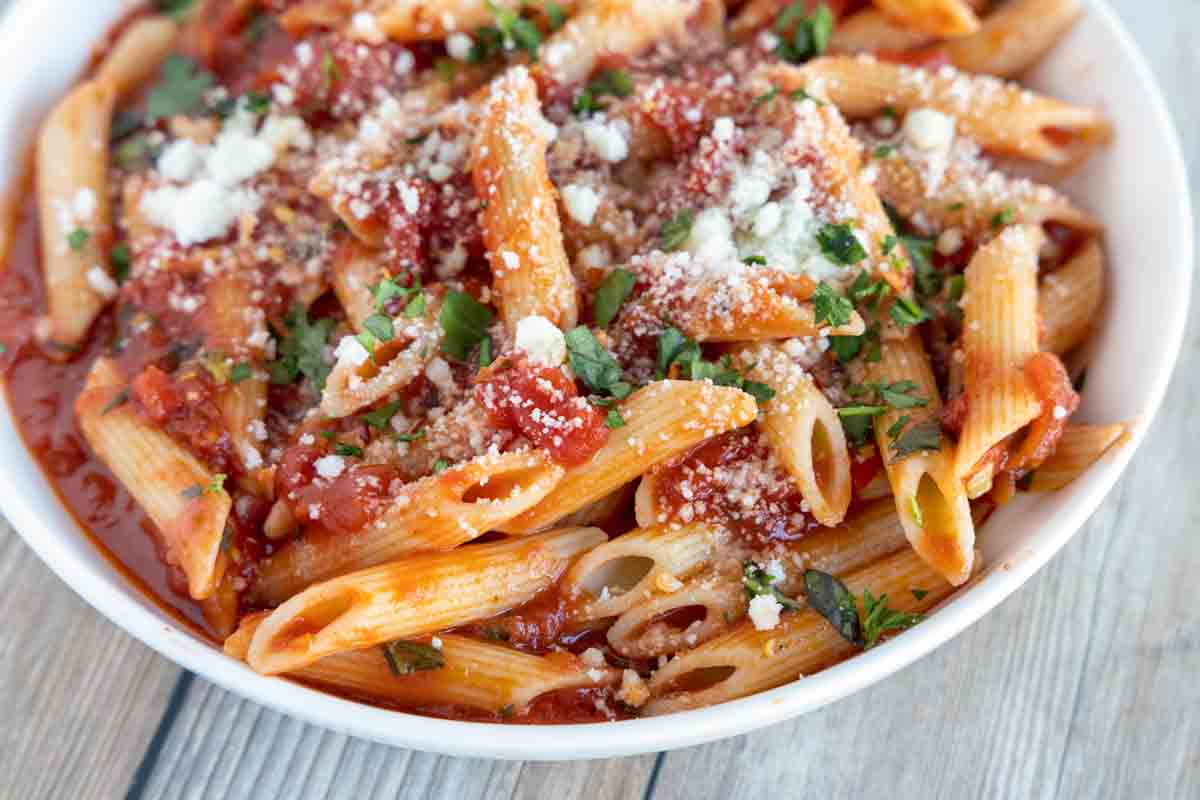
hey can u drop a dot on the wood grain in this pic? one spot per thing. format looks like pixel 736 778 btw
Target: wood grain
pixel 1083 684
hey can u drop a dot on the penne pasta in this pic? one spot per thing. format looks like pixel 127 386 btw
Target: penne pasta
pixel 243 407
pixel 1003 117
pixel 138 54
pixel 661 421
pixel 473 674
pixel 1079 448
pixel 1014 37
pixel 520 221
pixel 946 19
pixel 746 660
pixel 73 205
pixel 169 484
pixel 1000 335
pixel 414 596
pixel 1069 299
pixel 870 31
pixel 435 513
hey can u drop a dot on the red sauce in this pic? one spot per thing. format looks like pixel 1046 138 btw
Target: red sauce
pixel 185 407
pixel 339 505
pixel 544 406
pixel 730 480
pixel 862 472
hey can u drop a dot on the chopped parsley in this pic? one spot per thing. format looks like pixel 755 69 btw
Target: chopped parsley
pixel 760 261
pixel 240 372
pixel 847 348
pixel 675 349
pixel 857 428
pixel 343 449
pixel 440 466
pixel 611 294
pixel 800 94
pixel 802 35
pixel 880 619
pixel 613 419
pixel 404 657
pixel 610 82
pixel 177 9
pixel 302 350
pixel 216 485
pixel 594 365
pixel 555 16
pixel 896 395
pixel 923 436
pixel 411 437
pixel 883 151
pixel 464 322
pixel 78 238
pixel 485 351
pixel 118 399
pixel 511 32
pixel 676 231
pixel 759 583
pixel 919 594
pixel 830 307
pixel 906 312
pixel 180 90
pixel 1004 216
pixel 766 97
pixel 379 327
pixel 839 244
pixel 866 292
pixel 894 429
pixel 381 417
pixel 121 263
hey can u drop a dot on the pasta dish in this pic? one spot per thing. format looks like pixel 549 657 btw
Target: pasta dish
pixel 549 362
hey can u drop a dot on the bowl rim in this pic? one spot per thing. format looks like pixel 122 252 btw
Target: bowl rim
pixel 654 734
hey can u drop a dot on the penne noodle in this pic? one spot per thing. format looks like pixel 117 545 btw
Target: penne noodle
pixel 411 597
pixel 73 205
pixel 1079 448
pixel 243 408
pixel 521 229
pixel 220 609
pixel 474 674
pixel 1004 118
pixel 1069 299
pixel 138 53
pixel 662 420
pixel 804 430
pixel 930 500
pixel 439 512
pixel 434 20
pixel 746 660
pixel 945 19
pixel 355 271
pixel 1000 333
pixel 167 482
pixel 870 31
pixel 1014 37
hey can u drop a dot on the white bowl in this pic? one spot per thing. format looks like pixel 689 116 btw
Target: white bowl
pixel 1138 187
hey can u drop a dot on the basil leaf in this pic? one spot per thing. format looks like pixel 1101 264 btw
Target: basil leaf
pixel 839 244
pixel 611 294
pixel 380 326
pixel 673 346
pixel 464 322
pixel 830 598
pixel 405 658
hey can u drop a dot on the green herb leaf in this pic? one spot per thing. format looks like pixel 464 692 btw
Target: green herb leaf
pixel 760 261
pixel 118 399
pixel 613 419
pixel 896 427
pixel 673 346
pixel 610 82
pixel 77 238
pixel 830 307
pixel 592 364
pixel 919 593
pixel 485 351
pixel 121 263
pixel 343 449
pixel 676 231
pixel 1004 216
pixel 611 294
pixel 411 437
pixel 416 307
pixel 216 485
pixel 240 372
pixel 803 36
pixel 380 326
pixel 302 350
pixel 381 417
pixel 858 429
pixel 758 583
pixel 883 151
pixel 555 17
pixel 766 97
pixel 861 411
pixel 404 657
pixel 925 435
pixel 464 322
pixel 440 466
pixel 180 90
pixel 896 395
pixel 839 244
pixel 881 619
pixel 906 312
pixel 177 9
pixel 830 598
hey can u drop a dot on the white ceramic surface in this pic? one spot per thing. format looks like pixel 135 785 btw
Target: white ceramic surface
pixel 1138 187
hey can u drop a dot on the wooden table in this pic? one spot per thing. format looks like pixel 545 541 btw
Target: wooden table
pixel 1086 683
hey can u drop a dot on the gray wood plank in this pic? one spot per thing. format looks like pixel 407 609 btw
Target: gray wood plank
pixel 81 699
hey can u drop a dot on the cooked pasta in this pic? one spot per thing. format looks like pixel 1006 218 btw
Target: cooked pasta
pixel 556 362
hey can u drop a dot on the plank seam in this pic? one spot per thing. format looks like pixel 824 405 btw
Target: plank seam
pixel 652 782
pixel 141 777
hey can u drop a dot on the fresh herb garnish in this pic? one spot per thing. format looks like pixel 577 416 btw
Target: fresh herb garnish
pixel 866 292
pixel 404 657
pixel 440 466
pixel 803 36
pixel 760 261
pixel 839 244
pixel 180 90
pixel 925 435
pixel 511 32
pixel 343 449
pixel 861 411
pixel 217 484
pixel 919 593
pixel 896 395
pixel 858 429
pixel 240 372
pixel 675 349
pixel 883 151
pixel 894 429
pixel 177 9
pixel 77 238
pixel 485 351
pixel 766 97
pixel 830 307
pixel 118 399
pixel 611 294
pixel 759 583
pixel 380 327
pixel 121 263
pixel 830 598
pixel 1004 216
pixel 881 619
pixel 302 350
pixel 800 94
pixel 411 437
pixel 594 365
pixel 555 16
pixel 907 312
pixel 611 82
pixel 330 69
pixel 613 419
pixel 464 322
pixel 381 417
pixel 675 231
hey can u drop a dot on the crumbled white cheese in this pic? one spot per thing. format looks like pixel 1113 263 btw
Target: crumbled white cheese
pixel 282 133
pixel 365 26
pixel 928 129
pixel 1060 412
pixel 181 160
pixel 237 156
pixel 459 45
pixel 950 241
pixel 606 140
pixel 330 466
pixel 351 351
pixel 592 657
pixel 435 643
pixel 198 211
pixel 542 341
pixel 723 129
pixel 633 691
pixel 102 283
pixel 581 202
pixel 764 612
